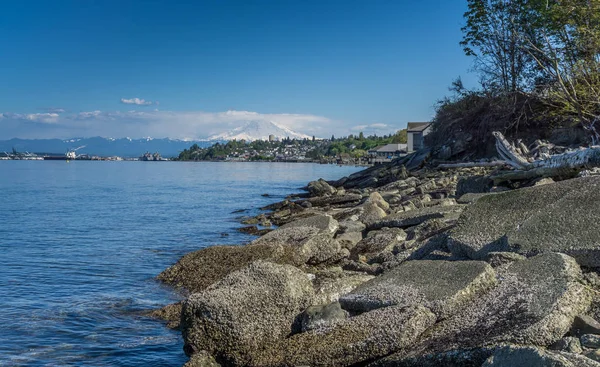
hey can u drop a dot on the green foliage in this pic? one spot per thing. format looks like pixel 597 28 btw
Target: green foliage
pixel 260 150
pixel 539 67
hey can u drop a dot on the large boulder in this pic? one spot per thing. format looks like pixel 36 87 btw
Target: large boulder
pixel 335 200
pixel 473 184
pixel 350 233
pixel 243 315
pixel 198 270
pixel 377 199
pixel 320 188
pixel 371 212
pixel 415 217
pixel 324 223
pixel 515 356
pixel 534 303
pixel 330 284
pixel 310 239
pixel 359 339
pixel 562 217
pixel 441 286
pixel 378 241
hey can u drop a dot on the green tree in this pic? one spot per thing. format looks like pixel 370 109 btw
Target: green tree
pixel 400 137
pixel 493 34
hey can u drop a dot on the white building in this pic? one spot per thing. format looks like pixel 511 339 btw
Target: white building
pixel 415 133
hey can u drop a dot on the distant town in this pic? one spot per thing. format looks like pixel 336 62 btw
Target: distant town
pixel 353 149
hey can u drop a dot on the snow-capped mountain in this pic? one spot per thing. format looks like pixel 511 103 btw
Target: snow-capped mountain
pixel 259 130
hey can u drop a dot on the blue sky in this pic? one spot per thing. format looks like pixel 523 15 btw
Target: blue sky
pixel 175 68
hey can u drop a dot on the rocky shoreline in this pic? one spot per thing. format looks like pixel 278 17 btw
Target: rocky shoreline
pixel 402 265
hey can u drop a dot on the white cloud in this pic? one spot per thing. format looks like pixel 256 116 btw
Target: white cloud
pixel 136 101
pixel 374 128
pixel 188 125
pixel 54 110
pixel 46 118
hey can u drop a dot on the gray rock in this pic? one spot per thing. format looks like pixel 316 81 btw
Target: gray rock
pixel 515 356
pixel 534 303
pixel 543 181
pixel 561 217
pixel 320 188
pixel 371 213
pixel 496 259
pixel 198 270
pixel 169 313
pixel 332 283
pixel 439 202
pixel 594 355
pixel 359 339
pixel 417 216
pixel 310 239
pixel 377 199
pixel 470 198
pixel 335 200
pixel 202 359
pixel 245 313
pixel 584 324
pixel 349 239
pixel 321 249
pixel 441 286
pixel 567 344
pixel 427 229
pixel 432 245
pixel 473 184
pixel 322 316
pixel 359 266
pixel 324 223
pixel 378 241
pixel 591 341
pixel 351 226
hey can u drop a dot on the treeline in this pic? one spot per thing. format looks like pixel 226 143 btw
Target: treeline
pixel 356 146
pixel 538 63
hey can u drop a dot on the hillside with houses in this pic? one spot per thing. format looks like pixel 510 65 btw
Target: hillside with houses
pixel 351 149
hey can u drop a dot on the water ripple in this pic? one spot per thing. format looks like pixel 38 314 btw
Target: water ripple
pixel 82 242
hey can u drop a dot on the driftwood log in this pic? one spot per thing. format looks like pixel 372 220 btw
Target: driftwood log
pixel 567 164
pixel 472 164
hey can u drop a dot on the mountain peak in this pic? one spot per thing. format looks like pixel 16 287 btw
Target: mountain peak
pixel 259 130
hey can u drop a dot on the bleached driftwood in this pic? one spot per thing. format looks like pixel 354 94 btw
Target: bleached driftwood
pixel 565 164
pixel 472 164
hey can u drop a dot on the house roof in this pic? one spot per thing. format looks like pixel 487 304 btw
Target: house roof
pixel 417 126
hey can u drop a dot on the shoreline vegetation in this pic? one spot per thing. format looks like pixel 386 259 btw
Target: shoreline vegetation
pixel 346 150
pixel 481 250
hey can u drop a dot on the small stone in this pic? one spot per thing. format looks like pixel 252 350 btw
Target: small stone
pixel 594 355
pixel 590 341
pixel 321 316
pixel 543 181
pixel 584 324
pixel 496 259
pixel 567 344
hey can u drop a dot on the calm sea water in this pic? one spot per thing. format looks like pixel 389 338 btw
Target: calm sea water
pixel 81 243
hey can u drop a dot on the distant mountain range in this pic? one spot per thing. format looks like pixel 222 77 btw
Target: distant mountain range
pixel 259 130
pixel 124 147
